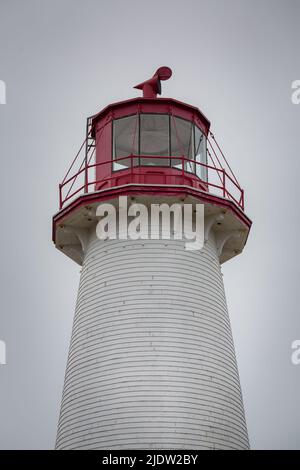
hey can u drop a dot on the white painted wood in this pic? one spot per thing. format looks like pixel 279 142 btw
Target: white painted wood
pixel 151 362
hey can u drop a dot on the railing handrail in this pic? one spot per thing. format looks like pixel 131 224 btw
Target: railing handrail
pixel 87 183
pixel 133 156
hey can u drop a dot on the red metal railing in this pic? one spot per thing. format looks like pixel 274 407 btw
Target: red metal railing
pixel 218 181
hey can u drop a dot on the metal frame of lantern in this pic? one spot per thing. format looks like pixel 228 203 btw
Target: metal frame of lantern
pixel 105 176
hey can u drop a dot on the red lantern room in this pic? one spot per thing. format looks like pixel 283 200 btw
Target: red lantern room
pixel 148 145
pixel 150 141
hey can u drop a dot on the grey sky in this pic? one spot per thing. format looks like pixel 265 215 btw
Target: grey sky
pixel 63 60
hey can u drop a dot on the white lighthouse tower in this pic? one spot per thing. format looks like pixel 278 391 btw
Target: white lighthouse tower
pixel 151 363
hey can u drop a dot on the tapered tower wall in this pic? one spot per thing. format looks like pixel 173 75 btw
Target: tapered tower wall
pixel 151 361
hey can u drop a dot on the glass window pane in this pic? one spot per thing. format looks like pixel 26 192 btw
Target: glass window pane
pixel 200 154
pixel 154 139
pixel 182 142
pixel 125 140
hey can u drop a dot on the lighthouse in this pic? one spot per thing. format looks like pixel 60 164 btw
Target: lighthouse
pixel 151 363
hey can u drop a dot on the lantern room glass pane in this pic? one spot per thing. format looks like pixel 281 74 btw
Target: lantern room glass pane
pixel 159 135
pixel 200 154
pixel 182 143
pixel 125 141
pixel 154 139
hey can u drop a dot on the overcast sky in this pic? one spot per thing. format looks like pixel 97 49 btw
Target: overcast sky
pixel 63 60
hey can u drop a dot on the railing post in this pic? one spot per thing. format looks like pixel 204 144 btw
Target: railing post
pixel 86 176
pixel 224 183
pixel 182 168
pixel 242 199
pixel 60 197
